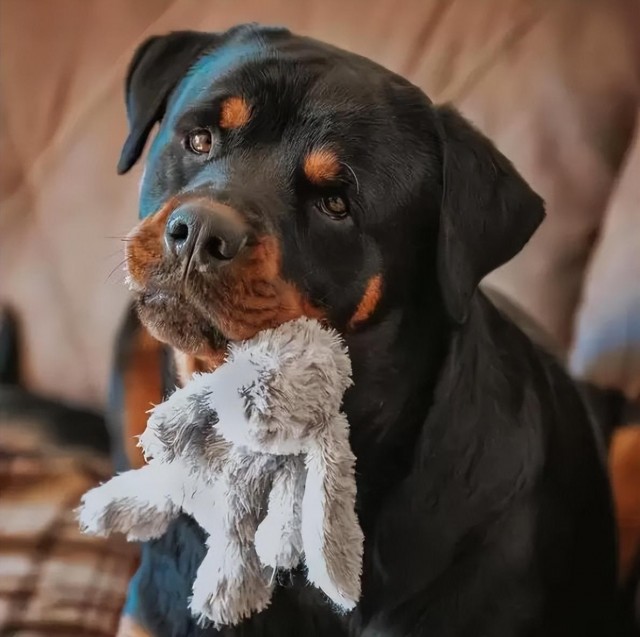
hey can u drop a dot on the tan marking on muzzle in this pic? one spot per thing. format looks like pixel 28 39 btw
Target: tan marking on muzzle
pixel 144 244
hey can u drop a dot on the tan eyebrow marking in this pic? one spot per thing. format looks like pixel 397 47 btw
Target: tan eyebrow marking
pixel 321 165
pixel 234 112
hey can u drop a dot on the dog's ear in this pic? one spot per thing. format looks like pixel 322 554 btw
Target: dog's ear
pixel 488 211
pixel 154 71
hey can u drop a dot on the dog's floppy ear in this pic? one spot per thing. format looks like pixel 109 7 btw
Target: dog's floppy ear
pixel 488 211
pixel 156 68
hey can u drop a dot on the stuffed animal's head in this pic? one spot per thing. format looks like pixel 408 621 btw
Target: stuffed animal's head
pixel 288 383
pixel 276 393
pixel 184 426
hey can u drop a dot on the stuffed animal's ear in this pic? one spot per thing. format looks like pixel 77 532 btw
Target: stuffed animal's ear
pixel 331 534
pixel 488 211
pixel 154 71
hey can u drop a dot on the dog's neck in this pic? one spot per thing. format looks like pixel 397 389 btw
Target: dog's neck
pixel 396 363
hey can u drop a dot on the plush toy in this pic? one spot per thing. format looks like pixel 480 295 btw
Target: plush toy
pixel 257 452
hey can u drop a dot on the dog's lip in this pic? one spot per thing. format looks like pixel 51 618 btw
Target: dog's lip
pixel 211 333
pixel 214 336
pixel 155 295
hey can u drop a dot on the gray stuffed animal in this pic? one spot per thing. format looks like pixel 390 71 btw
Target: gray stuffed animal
pixel 257 452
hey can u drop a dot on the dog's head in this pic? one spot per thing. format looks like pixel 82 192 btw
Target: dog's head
pixel 289 178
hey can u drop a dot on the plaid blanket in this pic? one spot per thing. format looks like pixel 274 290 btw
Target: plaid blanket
pixel 53 579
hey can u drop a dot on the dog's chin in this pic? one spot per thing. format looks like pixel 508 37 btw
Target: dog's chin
pixel 174 320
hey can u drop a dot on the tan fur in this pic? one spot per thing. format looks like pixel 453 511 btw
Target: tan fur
pixel 143 389
pixel 369 301
pixel 129 627
pixel 624 460
pixel 234 112
pixel 321 166
pixel 144 244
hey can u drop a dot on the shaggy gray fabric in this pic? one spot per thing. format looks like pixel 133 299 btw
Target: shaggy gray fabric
pixel 257 452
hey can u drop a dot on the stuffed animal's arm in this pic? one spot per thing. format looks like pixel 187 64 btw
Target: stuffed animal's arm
pixel 279 536
pixel 139 503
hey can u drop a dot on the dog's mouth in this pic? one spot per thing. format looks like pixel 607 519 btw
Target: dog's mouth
pixel 200 316
pixel 175 319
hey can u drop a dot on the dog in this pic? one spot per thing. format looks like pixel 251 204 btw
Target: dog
pixel 28 419
pixel 290 178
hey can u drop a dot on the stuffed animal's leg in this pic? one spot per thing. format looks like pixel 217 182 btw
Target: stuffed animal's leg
pixel 231 584
pixel 139 503
pixel 279 537
pixel 331 534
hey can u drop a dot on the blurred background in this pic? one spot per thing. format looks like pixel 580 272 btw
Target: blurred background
pixel 554 83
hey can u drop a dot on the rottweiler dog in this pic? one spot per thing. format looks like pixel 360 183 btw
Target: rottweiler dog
pixel 288 177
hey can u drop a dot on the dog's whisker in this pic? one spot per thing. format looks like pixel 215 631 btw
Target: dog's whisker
pixel 355 177
pixel 118 266
pixel 119 237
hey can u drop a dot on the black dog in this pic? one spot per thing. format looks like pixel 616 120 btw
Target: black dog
pixel 291 178
pixel 53 423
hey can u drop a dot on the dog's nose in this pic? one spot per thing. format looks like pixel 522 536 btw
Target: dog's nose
pixel 212 234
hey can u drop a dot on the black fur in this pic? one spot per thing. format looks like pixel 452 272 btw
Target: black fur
pixel 609 406
pixel 482 489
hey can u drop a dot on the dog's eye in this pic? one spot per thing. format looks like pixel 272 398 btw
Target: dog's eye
pixel 335 207
pixel 200 141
